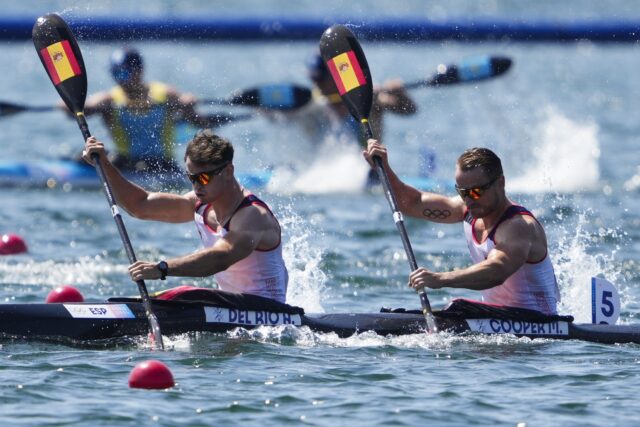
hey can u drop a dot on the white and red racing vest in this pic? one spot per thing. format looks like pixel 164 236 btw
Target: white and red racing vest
pixel 262 273
pixel 532 286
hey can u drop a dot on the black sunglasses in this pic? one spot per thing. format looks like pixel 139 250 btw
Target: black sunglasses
pixel 476 192
pixel 205 177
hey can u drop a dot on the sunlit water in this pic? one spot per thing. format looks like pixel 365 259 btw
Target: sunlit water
pixel 564 120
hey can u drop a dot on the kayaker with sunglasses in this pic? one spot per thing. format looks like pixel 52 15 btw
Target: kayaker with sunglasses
pixel 142 116
pixel 507 243
pixel 240 234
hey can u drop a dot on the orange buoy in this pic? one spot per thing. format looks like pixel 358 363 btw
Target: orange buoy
pixel 151 374
pixel 64 293
pixel 12 244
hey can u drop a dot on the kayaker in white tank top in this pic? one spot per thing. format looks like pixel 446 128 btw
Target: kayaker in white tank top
pixel 261 273
pixel 508 245
pixel 532 286
pixel 242 237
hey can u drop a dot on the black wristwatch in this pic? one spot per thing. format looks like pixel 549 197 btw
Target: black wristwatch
pixel 164 269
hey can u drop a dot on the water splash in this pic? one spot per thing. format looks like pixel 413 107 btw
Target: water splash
pixel 337 167
pixel 306 278
pixel 574 267
pixel 566 159
pixel 441 342
pixel 633 183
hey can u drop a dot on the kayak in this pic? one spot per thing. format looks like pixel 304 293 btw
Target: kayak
pixel 219 312
pixel 68 174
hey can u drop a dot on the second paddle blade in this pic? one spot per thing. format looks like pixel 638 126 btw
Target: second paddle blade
pixel 62 59
pixel 348 66
pixel 471 70
pixel 276 96
pixel 8 108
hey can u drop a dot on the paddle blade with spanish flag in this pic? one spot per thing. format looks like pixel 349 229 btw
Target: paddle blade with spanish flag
pixel 346 72
pixel 62 59
pixel 348 66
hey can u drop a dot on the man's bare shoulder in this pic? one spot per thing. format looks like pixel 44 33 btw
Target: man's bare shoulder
pixel 520 227
pixel 253 217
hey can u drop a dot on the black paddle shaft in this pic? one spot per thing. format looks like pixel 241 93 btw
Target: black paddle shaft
pixel 84 128
pixel 399 221
pixel 348 66
pixel 124 236
pixel 61 56
pixel 393 204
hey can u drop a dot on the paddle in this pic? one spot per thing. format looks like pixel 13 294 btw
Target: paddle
pixel 348 66
pixel 60 54
pixel 274 97
pixel 290 97
pixel 469 70
pixel 9 108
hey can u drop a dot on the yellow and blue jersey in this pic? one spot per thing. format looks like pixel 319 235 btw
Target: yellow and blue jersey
pixel 143 135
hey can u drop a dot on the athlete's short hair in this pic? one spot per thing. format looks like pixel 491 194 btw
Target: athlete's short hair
pixel 481 158
pixel 207 148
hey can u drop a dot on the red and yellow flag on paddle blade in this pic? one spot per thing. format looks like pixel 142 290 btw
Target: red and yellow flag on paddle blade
pixel 346 72
pixel 60 61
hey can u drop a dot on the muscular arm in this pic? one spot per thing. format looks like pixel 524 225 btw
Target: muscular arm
pixel 416 203
pixel 136 200
pixel 393 97
pixel 100 103
pixel 183 106
pixel 515 239
pixel 251 228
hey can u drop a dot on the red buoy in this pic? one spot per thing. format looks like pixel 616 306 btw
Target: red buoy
pixel 151 374
pixel 64 293
pixel 12 244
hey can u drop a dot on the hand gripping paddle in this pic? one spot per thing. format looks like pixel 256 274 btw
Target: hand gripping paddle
pixel 59 52
pixel 348 66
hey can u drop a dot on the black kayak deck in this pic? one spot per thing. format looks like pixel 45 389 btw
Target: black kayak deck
pixel 99 321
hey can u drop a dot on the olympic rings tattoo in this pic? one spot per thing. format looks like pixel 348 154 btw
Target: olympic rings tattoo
pixel 436 213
